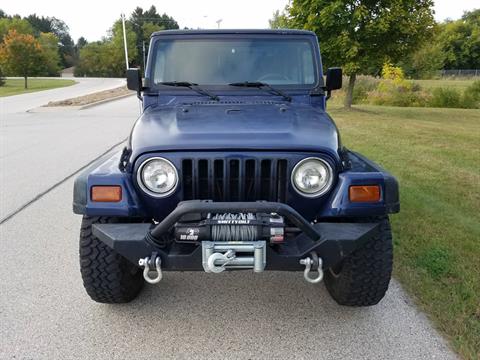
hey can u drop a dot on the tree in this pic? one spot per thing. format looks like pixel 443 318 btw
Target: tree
pixel 22 26
pixel 361 35
pixel 51 57
pixel 21 55
pixel 117 50
pixel 81 42
pixel 106 58
pixel 460 41
pixel 425 62
pixel 93 60
pixel 144 23
pixel 279 20
pixel 61 31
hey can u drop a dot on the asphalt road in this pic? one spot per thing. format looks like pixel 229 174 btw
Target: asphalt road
pixel 22 103
pixel 45 313
pixel 41 149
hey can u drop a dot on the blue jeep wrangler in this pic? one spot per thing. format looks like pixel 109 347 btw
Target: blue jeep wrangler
pixel 235 164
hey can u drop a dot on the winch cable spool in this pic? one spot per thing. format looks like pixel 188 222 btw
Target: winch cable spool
pixel 230 227
pixel 229 232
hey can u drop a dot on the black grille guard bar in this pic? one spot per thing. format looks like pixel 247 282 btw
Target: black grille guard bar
pixel 207 206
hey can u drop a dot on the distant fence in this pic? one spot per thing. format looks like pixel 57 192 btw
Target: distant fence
pixel 460 73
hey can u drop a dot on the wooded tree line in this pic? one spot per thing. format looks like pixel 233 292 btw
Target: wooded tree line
pixel 42 46
pixel 36 26
pixel 362 36
pixel 34 46
pixel 107 58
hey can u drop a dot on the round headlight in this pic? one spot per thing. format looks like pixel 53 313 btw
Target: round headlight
pixel 312 177
pixel 157 177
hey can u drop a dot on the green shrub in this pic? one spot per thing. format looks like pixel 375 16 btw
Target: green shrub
pixel 471 96
pixel 402 93
pixel 395 90
pixel 453 98
pixel 446 98
pixel 363 86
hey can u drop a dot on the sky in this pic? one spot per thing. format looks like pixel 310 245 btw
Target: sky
pixel 91 19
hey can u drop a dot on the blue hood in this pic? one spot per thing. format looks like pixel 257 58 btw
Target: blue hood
pixel 261 125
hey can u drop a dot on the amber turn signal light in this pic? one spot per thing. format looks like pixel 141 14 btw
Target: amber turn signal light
pixel 364 193
pixel 106 193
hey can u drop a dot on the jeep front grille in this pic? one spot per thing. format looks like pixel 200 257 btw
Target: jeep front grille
pixel 234 179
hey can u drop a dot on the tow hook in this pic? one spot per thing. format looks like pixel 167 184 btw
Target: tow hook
pixel 219 257
pixel 315 262
pixel 151 264
pixel 223 255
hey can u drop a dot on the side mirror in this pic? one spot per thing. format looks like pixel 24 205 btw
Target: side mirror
pixel 334 79
pixel 134 80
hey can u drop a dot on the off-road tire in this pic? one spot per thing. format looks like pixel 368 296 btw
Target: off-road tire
pixel 362 278
pixel 107 276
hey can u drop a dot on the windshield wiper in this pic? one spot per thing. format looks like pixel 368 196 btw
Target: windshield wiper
pixel 191 86
pixel 260 85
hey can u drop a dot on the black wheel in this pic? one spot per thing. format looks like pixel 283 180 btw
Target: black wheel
pixel 107 276
pixel 362 278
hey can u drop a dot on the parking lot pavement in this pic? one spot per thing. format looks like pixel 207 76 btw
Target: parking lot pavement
pixel 45 313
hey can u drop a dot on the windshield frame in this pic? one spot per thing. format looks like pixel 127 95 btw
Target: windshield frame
pixel 312 40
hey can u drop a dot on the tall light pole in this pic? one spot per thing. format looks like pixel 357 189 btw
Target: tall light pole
pixel 143 50
pixel 219 22
pixel 125 40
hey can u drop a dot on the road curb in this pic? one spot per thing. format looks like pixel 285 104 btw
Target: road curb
pixel 104 101
pixel 44 108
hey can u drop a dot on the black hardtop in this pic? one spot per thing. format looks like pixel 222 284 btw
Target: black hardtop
pixel 233 31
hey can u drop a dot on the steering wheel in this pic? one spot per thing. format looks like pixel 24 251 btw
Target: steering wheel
pixel 273 76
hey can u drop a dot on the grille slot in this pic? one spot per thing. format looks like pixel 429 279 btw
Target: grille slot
pixel 218 176
pixel 187 173
pixel 203 183
pixel 281 180
pixel 234 179
pixel 265 179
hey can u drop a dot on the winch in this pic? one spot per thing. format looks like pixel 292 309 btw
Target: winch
pixel 231 227
pixel 232 240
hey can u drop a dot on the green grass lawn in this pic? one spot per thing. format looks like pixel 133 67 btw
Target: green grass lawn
pixel 435 154
pixel 16 86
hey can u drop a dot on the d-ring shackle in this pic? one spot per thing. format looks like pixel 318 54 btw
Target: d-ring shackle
pixel 308 262
pixel 146 271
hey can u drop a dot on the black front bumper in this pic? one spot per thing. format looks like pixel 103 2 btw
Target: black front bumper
pixel 331 241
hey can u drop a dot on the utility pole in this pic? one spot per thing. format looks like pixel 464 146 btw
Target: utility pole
pixel 125 40
pixel 143 49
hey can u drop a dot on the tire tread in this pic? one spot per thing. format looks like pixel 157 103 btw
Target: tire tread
pixel 365 274
pixel 107 276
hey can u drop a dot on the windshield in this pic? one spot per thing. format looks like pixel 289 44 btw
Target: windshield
pixel 225 61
